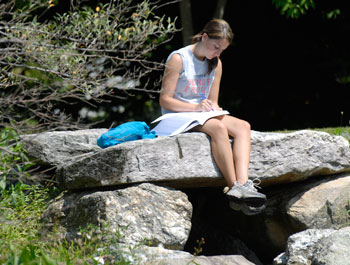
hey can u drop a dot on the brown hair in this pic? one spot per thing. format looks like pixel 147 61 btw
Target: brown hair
pixel 215 29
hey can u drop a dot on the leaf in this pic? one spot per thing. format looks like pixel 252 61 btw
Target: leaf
pixel 2 183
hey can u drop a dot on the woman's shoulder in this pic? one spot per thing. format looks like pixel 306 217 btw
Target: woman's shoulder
pixel 179 59
pixel 175 58
pixel 219 63
pixel 182 52
pixel 174 63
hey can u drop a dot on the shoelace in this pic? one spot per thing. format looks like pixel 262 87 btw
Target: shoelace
pixel 253 183
pixel 250 183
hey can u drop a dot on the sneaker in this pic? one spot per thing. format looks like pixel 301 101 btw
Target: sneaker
pixel 246 209
pixel 246 193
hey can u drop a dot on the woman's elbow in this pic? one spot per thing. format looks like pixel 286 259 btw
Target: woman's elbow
pixel 162 101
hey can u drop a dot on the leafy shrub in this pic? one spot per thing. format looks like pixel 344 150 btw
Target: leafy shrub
pixel 87 55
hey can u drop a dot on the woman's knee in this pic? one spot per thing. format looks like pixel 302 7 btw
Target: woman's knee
pixel 216 128
pixel 240 128
pixel 245 126
pixel 244 129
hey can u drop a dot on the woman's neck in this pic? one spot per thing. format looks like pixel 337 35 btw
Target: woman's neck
pixel 196 50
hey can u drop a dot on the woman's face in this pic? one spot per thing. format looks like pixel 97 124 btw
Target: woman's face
pixel 214 47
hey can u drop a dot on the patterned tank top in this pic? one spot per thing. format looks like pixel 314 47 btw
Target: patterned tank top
pixel 194 83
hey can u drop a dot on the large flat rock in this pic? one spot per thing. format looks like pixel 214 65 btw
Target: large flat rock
pixel 176 161
pixel 186 161
pixel 289 157
pixel 54 148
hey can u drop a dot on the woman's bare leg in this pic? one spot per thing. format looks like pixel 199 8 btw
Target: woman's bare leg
pixel 233 163
pixel 221 148
pixel 240 131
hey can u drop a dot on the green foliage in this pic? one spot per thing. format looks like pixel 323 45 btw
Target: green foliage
pixel 340 131
pixel 86 56
pixel 333 13
pixel 293 8
pixel 21 204
pixel 199 248
pixel 13 160
pixel 23 241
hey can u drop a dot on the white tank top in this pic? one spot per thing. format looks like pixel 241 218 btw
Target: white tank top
pixel 194 83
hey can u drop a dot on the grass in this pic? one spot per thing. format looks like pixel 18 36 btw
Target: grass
pixel 340 131
pixel 22 240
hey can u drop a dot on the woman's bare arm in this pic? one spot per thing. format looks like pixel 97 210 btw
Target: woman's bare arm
pixel 170 79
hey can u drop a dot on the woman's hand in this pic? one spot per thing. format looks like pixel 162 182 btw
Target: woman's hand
pixel 205 105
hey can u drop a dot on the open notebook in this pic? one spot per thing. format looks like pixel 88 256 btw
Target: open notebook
pixel 171 124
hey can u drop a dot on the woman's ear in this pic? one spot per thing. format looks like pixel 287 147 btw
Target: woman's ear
pixel 205 36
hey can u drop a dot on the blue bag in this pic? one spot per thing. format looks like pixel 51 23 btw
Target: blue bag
pixel 125 132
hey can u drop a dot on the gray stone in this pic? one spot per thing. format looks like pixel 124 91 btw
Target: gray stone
pixel 185 161
pixel 145 212
pixel 317 247
pixel 159 256
pixel 163 215
pixel 323 205
pixel 203 260
pixel 334 249
pixel 301 246
pixel 289 157
pixel 54 148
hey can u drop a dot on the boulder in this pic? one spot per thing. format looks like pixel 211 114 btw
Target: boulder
pixel 322 204
pixel 185 161
pixel 303 173
pixel 203 260
pixel 289 157
pixel 317 247
pixel 140 213
pixel 159 256
pixel 174 161
pixel 55 148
